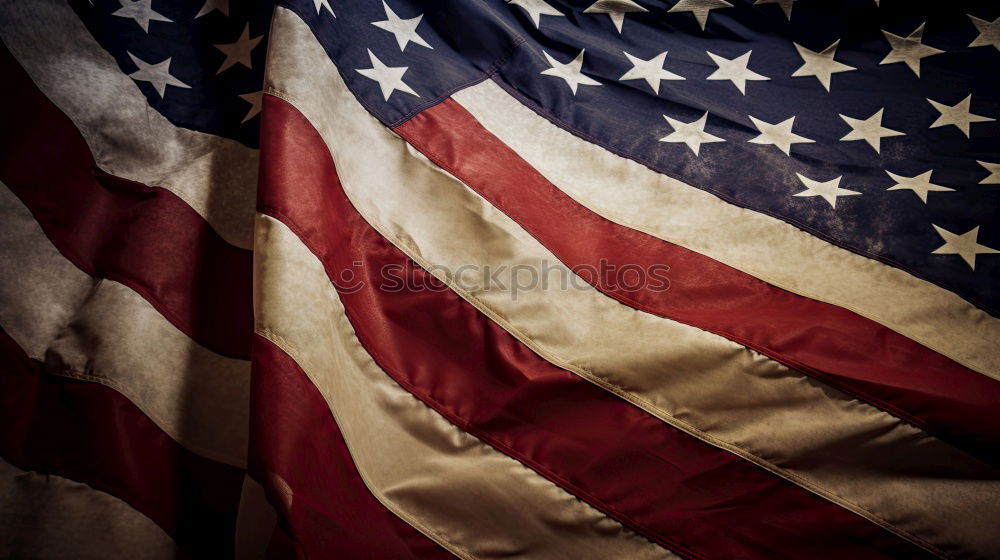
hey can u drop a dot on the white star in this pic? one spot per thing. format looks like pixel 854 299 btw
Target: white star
pixel 210 5
pixel 405 30
pixel 734 70
pixel 989 33
pixel 828 190
pixel 156 74
pixel 700 8
pixel 870 130
pixel 786 5
pixel 820 64
pixel 616 10
pixel 919 184
pixel 650 70
pixel 957 114
pixel 572 71
pixel 389 78
pixel 535 9
pixel 994 177
pixel 139 10
pixel 908 49
pixel 693 133
pixel 780 134
pixel 966 245
pixel 320 4
pixel 240 51
pixel 254 99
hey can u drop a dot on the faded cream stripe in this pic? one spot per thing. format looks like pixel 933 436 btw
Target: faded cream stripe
pixel 100 330
pixel 470 498
pixel 719 391
pixel 631 194
pixel 255 522
pixel 45 517
pixel 216 176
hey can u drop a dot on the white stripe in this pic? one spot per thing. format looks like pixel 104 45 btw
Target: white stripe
pixel 215 176
pixel 45 517
pixel 468 497
pixel 255 522
pixel 704 384
pixel 102 331
pixel 632 195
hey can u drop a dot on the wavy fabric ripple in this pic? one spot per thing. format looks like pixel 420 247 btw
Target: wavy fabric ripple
pixel 840 348
pixel 654 479
pixel 701 383
pixel 461 493
pixel 673 211
pixel 129 139
pixel 104 332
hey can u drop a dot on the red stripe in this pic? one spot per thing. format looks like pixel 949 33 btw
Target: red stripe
pixel 92 434
pixel 296 446
pixel 675 489
pixel 836 346
pixel 144 237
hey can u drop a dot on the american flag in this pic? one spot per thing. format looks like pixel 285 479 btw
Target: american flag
pixel 700 279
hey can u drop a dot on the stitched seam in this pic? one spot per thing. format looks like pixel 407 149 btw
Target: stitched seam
pixel 442 409
pixel 650 407
pixel 777 356
pixel 527 102
pixel 749 269
pixel 637 399
pixel 290 349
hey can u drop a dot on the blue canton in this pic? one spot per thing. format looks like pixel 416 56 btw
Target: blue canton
pixel 872 126
pixel 215 100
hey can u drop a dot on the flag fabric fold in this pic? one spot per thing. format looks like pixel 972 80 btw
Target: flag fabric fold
pixel 499 279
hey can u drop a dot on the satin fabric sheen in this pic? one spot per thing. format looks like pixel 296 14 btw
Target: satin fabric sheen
pixel 780 420
pixel 781 254
pixel 839 348
pixel 653 478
